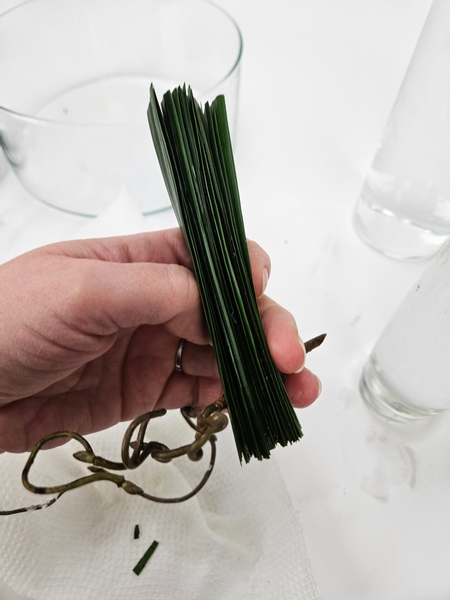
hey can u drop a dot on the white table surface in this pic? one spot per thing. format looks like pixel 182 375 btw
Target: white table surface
pixel 319 78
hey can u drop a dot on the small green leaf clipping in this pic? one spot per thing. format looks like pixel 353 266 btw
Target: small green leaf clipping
pixel 146 557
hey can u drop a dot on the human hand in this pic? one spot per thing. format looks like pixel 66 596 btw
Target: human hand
pixel 89 331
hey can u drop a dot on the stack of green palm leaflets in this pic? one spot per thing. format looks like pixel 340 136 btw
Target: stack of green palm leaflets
pixel 195 154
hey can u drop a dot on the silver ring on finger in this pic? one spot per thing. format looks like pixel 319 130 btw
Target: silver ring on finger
pixel 179 356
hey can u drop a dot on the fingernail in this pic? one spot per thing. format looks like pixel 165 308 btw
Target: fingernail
pixel 319 386
pixel 302 366
pixel 265 279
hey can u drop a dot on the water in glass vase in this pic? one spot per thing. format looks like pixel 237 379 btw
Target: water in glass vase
pixel 402 218
pixel 95 140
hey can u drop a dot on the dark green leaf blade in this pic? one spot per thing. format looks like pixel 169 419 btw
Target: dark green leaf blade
pixel 195 154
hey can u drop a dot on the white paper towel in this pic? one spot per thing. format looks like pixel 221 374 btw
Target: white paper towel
pixel 238 539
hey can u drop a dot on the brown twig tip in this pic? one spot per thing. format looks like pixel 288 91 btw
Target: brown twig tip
pixel 315 342
pixel 26 509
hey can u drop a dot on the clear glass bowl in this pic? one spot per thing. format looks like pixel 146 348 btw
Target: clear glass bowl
pixel 75 87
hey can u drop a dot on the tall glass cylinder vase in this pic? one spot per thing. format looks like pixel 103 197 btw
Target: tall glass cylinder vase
pixel 403 209
pixel 407 375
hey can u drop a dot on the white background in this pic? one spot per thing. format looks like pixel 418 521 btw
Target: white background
pixel 319 78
